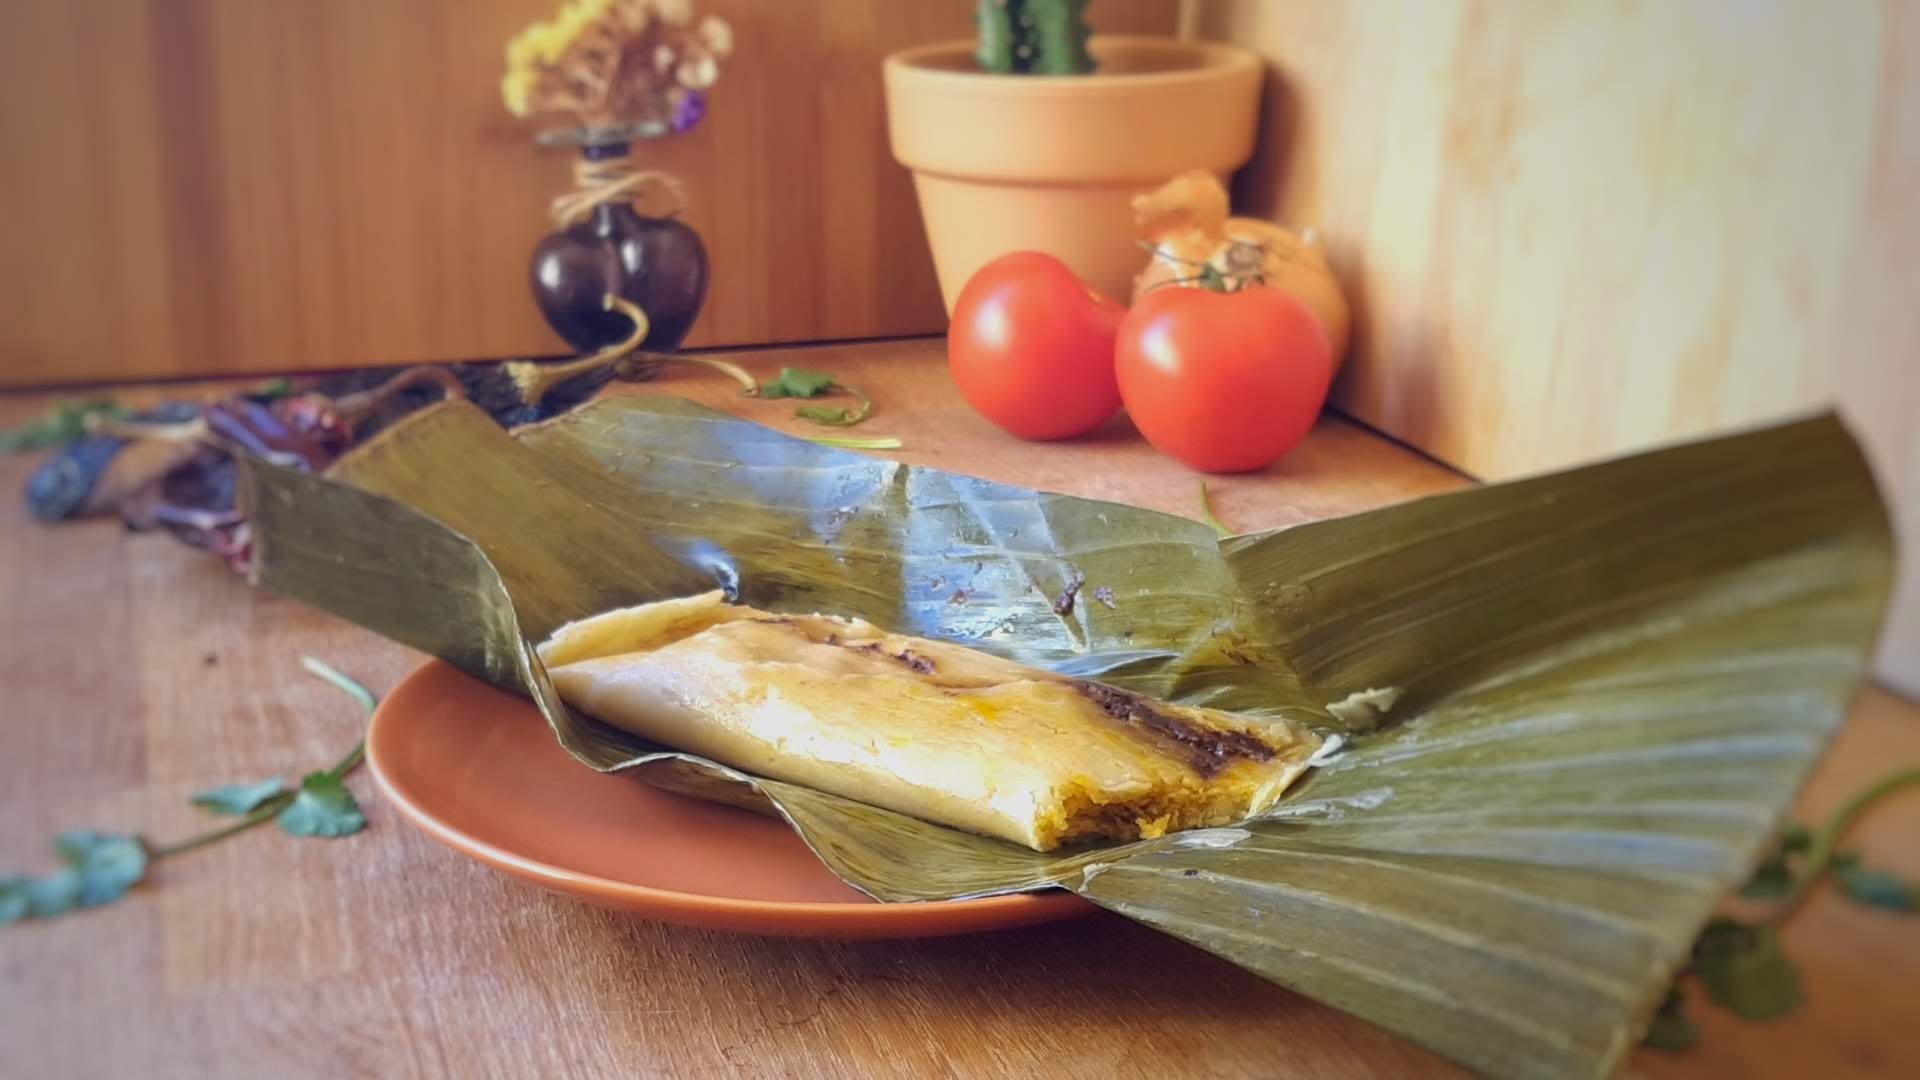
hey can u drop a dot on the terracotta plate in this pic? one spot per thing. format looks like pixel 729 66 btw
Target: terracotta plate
pixel 478 770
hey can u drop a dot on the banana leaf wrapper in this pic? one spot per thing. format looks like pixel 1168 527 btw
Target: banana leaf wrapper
pixel 1612 680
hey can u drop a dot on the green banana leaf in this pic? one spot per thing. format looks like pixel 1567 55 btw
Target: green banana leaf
pixel 1611 680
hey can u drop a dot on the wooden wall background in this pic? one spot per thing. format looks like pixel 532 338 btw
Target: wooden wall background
pixel 226 186
pixel 1576 228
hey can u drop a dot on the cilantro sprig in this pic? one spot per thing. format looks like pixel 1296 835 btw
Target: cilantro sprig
pixel 98 868
pixel 65 422
pixel 801 383
pixel 69 421
pixel 1741 964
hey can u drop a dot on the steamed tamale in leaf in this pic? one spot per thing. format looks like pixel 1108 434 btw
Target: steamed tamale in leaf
pixel 1610 681
pixel 928 728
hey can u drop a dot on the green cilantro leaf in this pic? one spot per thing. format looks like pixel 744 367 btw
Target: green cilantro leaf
pixel 1874 888
pixel 820 414
pixel 1671 1029
pixel 1773 878
pixel 323 807
pixel 55 893
pixel 801 383
pixel 101 867
pixel 797 382
pixel 239 798
pixel 108 865
pixel 1771 881
pixel 62 424
pixel 14 903
pixel 1745 970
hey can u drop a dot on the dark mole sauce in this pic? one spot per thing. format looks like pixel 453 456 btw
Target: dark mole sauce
pixel 912 659
pixel 1206 750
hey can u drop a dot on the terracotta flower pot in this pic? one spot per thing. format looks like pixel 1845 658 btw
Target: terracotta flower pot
pixel 1049 163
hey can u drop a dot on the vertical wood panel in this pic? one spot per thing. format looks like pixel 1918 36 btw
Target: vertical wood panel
pixel 1580 228
pixel 224 186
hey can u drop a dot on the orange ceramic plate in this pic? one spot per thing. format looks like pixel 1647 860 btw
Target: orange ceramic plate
pixel 478 769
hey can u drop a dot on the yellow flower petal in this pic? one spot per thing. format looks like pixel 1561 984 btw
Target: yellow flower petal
pixel 552 43
pixel 516 90
pixel 520 51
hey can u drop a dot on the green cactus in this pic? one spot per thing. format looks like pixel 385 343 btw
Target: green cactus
pixel 1033 37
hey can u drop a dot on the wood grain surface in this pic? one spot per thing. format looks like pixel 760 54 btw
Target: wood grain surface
pixel 140 671
pixel 208 186
pixel 1575 229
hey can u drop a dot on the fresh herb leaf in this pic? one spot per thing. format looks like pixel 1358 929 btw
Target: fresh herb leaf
pixel 1671 1029
pixel 801 383
pixel 1744 967
pixel 1745 970
pixel 62 424
pixel 1773 878
pixel 1822 858
pixel 323 807
pixel 1873 888
pixel 797 382
pixel 13 899
pixel 101 867
pixel 275 388
pixel 55 893
pixel 109 864
pixel 239 798
pixel 820 414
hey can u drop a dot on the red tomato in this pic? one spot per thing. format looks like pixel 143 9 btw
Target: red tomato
pixel 1226 382
pixel 1032 347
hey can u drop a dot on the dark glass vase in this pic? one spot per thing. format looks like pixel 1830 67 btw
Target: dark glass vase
pixel 658 264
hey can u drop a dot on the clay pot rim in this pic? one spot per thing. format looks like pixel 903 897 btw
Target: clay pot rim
pixel 1216 60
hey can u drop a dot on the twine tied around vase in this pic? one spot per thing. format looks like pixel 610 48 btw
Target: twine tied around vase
pixel 611 180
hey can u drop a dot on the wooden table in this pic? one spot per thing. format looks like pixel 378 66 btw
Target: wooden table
pixel 138 670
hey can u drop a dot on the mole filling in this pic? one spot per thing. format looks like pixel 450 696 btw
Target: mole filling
pixel 1205 749
pixel 913 660
pixel 812 631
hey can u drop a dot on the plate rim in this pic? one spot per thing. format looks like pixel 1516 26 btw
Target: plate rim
pixel 989 912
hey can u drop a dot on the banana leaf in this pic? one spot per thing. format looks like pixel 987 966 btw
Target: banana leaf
pixel 1610 680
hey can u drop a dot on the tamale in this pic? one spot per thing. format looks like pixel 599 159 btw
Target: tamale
pixel 927 728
